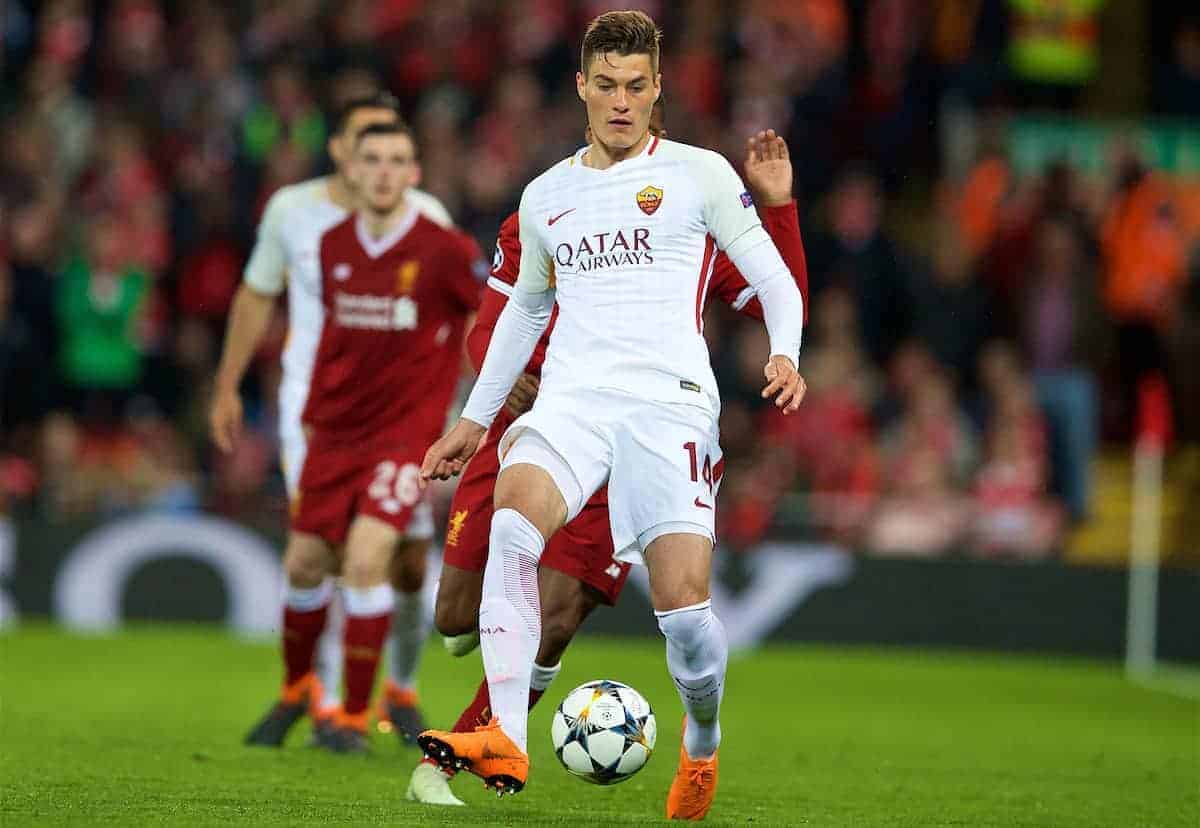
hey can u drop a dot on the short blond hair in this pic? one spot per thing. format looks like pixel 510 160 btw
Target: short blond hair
pixel 623 32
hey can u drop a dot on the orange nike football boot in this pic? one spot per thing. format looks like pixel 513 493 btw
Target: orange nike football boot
pixel 487 752
pixel 694 787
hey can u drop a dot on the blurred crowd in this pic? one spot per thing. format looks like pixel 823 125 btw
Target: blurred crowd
pixel 976 330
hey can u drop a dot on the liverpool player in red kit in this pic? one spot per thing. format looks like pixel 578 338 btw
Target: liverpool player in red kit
pixel 577 571
pixel 397 290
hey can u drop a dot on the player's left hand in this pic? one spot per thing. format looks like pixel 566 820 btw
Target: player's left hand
pixel 784 380
pixel 768 169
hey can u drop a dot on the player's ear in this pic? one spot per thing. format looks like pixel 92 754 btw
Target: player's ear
pixel 334 147
pixel 414 180
pixel 581 86
pixel 657 87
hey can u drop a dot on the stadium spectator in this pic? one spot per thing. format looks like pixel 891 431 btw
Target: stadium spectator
pixel 101 297
pixel 1176 76
pixel 1054 49
pixel 1144 260
pixel 831 440
pixel 952 309
pixel 1063 338
pixel 286 115
pixel 854 250
pixel 1012 514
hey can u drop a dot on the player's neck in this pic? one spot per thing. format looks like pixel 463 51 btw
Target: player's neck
pixel 339 192
pixel 601 157
pixel 379 224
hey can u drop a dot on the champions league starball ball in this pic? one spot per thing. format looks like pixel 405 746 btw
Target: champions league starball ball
pixel 604 732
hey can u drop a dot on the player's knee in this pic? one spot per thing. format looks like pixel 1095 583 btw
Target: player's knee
pixel 305 568
pixel 366 568
pixel 532 493
pixel 688 627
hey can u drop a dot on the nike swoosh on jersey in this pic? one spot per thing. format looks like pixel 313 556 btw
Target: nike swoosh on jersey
pixel 560 215
pixel 698 503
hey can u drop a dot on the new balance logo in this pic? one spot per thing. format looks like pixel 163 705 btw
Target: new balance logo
pixel 560 215
pixel 491 630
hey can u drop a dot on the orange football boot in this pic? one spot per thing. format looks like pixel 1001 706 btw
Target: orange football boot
pixel 694 787
pixel 487 752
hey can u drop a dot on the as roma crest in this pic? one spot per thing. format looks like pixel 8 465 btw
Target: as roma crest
pixel 649 199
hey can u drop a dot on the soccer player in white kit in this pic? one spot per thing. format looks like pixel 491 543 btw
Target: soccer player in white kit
pixel 623 235
pixel 285 258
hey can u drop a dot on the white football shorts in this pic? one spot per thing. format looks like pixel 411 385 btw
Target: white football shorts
pixel 661 461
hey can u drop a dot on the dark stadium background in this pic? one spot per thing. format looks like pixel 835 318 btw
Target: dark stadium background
pixel 1002 248
pixel 925 575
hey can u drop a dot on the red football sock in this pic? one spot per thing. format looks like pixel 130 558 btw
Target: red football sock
pixel 300 633
pixel 479 711
pixel 363 640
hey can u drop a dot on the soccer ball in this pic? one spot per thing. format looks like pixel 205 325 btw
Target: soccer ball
pixel 603 732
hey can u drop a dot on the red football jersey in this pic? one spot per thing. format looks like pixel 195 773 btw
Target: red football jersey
pixel 390 350
pixel 727 283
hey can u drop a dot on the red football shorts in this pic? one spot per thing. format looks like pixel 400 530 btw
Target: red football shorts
pixel 582 549
pixel 342 480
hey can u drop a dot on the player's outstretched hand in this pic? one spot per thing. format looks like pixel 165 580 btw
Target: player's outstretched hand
pixel 784 381
pixel 768 169
pixel 447 457
pixel 225 419
pixel 523 393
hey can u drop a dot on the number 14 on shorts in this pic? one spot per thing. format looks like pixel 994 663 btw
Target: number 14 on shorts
pixel 698 469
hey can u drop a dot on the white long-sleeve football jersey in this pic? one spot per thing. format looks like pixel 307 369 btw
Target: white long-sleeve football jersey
pixel 627 253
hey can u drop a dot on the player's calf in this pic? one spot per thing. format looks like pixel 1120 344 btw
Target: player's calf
pixel 566 603
pixel 369 600
pixel 457 610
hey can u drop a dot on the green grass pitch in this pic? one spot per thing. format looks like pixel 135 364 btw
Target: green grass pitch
pixel 145 728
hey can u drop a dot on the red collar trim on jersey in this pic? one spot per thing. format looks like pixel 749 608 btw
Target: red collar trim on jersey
pixel 647 150
pixel 377 247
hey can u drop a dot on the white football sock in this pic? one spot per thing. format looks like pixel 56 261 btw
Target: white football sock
pixel 541 676
pixel 307 599
pixel 510 618
pixel 328 665
pixel 697 654
pixel 410 628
